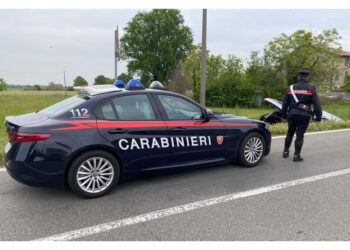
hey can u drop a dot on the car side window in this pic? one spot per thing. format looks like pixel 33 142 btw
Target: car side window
pixel 133 107
pixel 177 108
pixel 105 112
pixel 108 112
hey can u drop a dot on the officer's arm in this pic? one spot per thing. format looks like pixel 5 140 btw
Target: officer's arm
pixel 285 105
pixel 317 105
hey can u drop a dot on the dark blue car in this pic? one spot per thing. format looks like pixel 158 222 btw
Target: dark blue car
pixel 89 141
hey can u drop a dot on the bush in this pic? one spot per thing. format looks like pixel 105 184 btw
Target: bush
pixel 3 84
pixel 79 81
pixel 282 128
pixel 102 80
pixel 347 83
pixel 231 88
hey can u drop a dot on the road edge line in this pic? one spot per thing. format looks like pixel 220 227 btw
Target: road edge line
pixel 315 133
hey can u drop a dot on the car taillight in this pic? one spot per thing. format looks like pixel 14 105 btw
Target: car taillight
pixel 16 137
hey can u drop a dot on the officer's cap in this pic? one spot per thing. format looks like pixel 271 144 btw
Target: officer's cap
pixel 304 72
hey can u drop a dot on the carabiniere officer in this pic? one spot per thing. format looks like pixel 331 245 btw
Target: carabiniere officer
pixel 296 110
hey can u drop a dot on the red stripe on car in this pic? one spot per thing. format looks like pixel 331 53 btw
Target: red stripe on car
pixel 88 124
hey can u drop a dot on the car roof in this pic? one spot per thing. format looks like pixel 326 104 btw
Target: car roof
pixel 97 89
pixel 109 90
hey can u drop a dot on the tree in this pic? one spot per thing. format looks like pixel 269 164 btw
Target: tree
pixel 3 84
pixel 79 81
pixel 155 43
pixel 230 88
pixel 125 77
pixel 347 83
pixel 55 86
pixel 215 66
pixel 37 87
pixel 302 49
pixel 263 77
pixel 101 80
pixel 193 71
pixel 28 87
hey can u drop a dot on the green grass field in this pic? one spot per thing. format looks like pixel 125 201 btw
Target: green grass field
pixel 15 102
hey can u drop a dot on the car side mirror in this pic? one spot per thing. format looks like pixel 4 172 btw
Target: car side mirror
pixel 209 114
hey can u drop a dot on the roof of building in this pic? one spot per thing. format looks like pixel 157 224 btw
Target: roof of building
pixel 345 53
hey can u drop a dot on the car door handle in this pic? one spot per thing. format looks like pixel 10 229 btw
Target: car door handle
pixel 117 131
pixel 178 129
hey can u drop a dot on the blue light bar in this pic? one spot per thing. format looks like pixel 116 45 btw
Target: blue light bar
pixel 134 84
pixel 119 84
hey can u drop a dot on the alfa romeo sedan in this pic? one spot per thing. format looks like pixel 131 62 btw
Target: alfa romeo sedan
pixel 90 141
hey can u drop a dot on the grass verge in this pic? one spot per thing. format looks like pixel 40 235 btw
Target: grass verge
pixel 282 128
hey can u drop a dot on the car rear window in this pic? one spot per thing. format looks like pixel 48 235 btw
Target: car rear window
pixel 63 106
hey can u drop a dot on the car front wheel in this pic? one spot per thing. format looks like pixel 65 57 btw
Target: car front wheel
pixel 93 174
pixel 252 150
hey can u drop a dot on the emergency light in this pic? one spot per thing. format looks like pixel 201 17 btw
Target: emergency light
pixel 156 85
pixel 134 84
pixel 119 84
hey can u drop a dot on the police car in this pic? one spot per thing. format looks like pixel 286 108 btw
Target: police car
pixel 90 141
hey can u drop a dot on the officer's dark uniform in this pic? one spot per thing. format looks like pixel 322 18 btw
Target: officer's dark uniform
pixel 299 114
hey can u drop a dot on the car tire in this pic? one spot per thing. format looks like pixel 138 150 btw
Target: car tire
pixel 252 150
pixel 93 174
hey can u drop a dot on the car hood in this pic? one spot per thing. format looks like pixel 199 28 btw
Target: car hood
pixel 274 102
pixel 230 116
pixel 236 118
pixel 329 116
pixel 325 114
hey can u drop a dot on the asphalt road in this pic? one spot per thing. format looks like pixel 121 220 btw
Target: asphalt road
pixel 314 210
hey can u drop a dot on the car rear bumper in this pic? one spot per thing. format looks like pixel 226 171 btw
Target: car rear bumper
pixel 28 167
pixel 26 174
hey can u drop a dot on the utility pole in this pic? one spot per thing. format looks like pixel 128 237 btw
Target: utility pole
pixel 116 53
pixel 115 68
pixel 65 86
pixel 204 58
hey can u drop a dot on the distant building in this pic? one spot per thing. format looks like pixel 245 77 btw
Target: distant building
pixel 343 70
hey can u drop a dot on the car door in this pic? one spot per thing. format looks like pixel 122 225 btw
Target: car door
pixel 133 125
pixel 195 140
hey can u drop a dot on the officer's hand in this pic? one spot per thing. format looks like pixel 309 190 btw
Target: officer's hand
pixel 284 120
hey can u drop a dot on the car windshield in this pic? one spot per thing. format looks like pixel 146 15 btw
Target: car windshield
pixel 62 106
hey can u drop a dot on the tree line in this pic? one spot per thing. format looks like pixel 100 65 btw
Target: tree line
pixel 156 42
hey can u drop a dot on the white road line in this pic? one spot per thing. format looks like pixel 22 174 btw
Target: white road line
pixel 184 208
pixel 2 169
pixel 316 133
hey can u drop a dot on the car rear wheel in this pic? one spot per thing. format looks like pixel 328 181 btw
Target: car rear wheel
pixel 93 174
pixel 252 150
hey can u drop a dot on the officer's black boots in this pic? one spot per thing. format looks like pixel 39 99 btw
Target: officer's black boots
pixel 287 143
pixel 298 146
pixel 297 158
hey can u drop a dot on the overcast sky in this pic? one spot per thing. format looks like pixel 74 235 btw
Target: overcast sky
pixel 36 46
